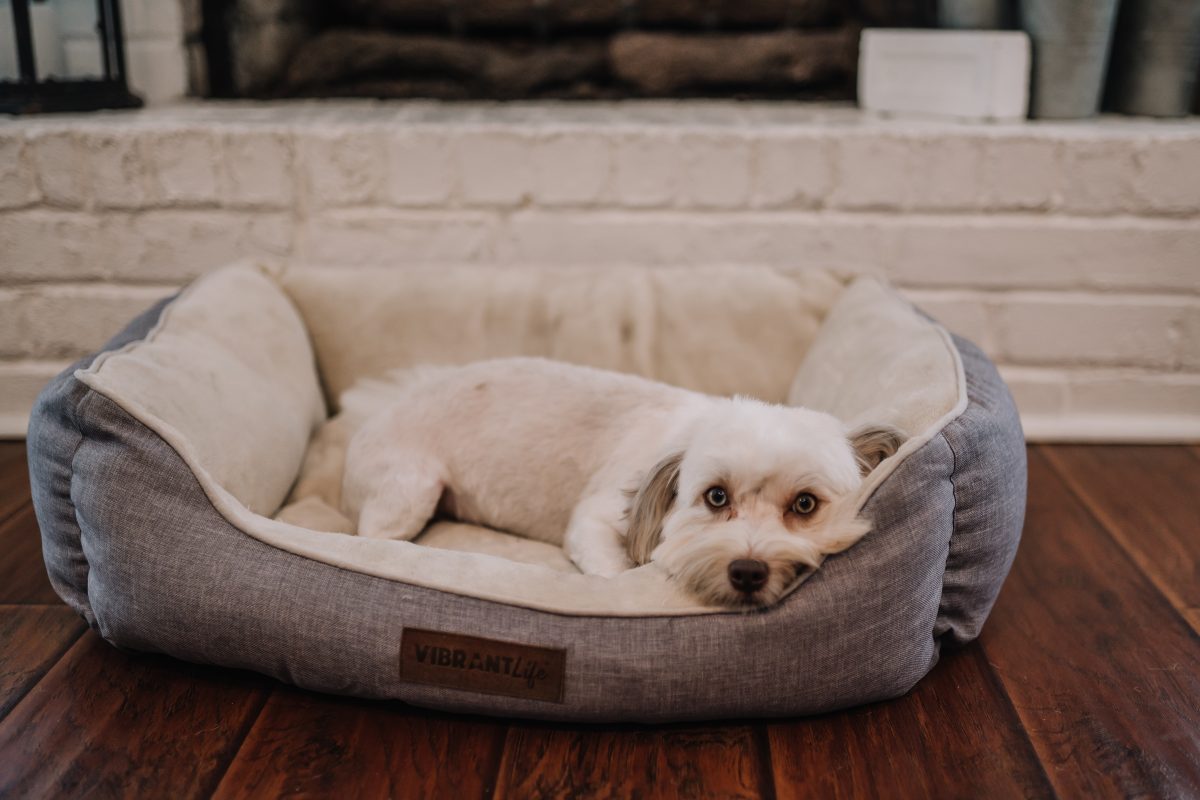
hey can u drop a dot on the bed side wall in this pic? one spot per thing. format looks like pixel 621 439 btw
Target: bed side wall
pixel 51 442
pixel 990 483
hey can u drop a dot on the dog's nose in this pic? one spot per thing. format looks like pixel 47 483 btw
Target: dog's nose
pixel 748 574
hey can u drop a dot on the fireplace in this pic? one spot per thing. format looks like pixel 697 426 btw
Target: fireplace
pixel 528 49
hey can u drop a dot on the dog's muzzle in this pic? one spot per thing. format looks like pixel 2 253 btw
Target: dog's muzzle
pixel 748 575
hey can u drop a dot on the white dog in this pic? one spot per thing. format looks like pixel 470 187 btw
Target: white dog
pixel 732 497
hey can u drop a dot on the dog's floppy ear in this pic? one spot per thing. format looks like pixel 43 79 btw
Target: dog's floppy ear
pixel 874 443
pixel 651 502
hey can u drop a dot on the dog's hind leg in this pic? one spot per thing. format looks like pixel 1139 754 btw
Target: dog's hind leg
pixel 401 497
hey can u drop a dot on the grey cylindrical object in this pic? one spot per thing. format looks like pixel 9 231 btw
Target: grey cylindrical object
pixel 1071 41
pixel 1156 52
pixel 973 14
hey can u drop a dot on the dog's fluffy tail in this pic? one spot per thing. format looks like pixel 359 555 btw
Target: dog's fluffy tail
pixel 371 395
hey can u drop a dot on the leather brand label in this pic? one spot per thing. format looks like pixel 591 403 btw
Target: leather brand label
pixel 482 665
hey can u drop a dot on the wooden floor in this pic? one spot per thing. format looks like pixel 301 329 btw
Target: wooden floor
pixel 1085 683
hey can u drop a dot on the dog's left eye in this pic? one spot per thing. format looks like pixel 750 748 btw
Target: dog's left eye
pixel 716 497
pixel 804 503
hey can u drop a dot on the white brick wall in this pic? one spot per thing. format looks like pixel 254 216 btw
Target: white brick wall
pixel 1070 252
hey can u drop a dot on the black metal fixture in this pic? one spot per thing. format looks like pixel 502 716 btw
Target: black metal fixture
pixel 32 94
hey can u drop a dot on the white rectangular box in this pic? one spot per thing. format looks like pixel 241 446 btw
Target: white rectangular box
pixel 960 74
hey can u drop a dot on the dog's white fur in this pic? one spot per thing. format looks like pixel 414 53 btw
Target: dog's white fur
pixel 611 466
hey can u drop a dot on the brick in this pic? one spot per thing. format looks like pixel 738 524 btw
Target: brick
pixel 964 313
pixel 1036 390
pixel 1090 329
pixel 1020 174
pixel 420 169
pixel 167 245
pixel 715 171
pixel 943 174
pixel 186 164
pixel 395 237
pixel 341 167
pixel 1098 176
pixel 68 321
pixel 916 251
pixel 571 168
pixel 493 167
pixel 143 18
pixel 62 175
pixel 1189 341
pixel 646 170
pixel 1131 392
pixel 792 171
pixel 1168 176
pixel 157 69
pixel 119 173
pixel 257 169
pixel 1041 252
pixel 872 172
pixel 18 181
pixel 20 384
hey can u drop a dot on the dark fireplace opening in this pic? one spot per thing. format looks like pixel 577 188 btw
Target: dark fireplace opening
pixel 530 49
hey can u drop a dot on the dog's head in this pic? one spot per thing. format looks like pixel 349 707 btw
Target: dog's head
pixel 760 494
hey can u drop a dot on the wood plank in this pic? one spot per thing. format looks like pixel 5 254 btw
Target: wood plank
pixel 31 639
pixel 320 746
pixel 1103 673
pixel 954 735
pixel 692 761
pixel 1148 499
pixel 14 482
pixel 22 570
pixel 107 723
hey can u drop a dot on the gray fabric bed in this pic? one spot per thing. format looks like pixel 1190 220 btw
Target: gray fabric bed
pixel 159 527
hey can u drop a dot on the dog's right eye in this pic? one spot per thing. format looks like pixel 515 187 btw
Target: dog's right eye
pixel 716 497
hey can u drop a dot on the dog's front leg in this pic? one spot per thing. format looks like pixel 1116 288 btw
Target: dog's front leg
pixel 594 538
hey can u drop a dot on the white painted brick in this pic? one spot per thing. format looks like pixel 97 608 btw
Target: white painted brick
pixel 1189 342
pixel 920 252
pixel 943 174
pixel 157 69
pixel 118 171
pixel 341 167
pixel 1119 392
pixel 1036 390
pixel 68 321
pixel 593 239
pixel 646 171
pixel 716 171
pixel 964 313
pixel 186 166
pixel 1098 176
pixel 872 172
pixel 20 384
pixel 395 237
pixel 18 181
pixel 493 167
pixel 1091 329
pixel 143 18
pixel 62 174
pixel 1038 252
pixel 421 169
pixel 792 171
pixel 1168 177
pixel 1020 173
pixel 257 168
pixel 165 246
pixel 571 168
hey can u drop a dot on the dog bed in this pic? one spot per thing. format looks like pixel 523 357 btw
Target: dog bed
pixel 162 467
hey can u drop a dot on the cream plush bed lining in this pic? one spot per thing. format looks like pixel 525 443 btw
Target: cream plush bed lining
pixel 229 378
